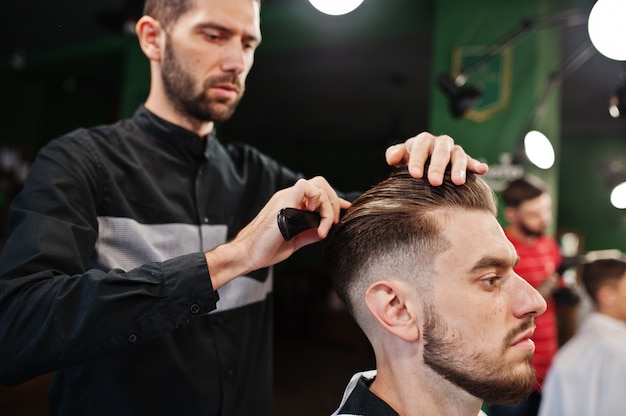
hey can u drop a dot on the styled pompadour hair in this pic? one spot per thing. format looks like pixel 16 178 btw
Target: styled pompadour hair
pixel 394 228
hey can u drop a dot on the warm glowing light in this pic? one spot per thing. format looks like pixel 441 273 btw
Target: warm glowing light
pixel 618 196
pixel 607 28
pixel 539 149
pixel 336 7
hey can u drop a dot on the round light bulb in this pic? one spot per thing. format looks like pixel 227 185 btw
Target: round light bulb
pixel 336 7
pixel 538 149
pixel 607 30
pixel 618 196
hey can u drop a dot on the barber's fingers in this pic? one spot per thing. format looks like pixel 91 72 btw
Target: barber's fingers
pixel 336 202
pixel 319 196
pixel 442 150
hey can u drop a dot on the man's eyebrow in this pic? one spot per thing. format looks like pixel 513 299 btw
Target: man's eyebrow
pixel 488 262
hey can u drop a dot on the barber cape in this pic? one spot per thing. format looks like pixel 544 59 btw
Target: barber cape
pixel 358 400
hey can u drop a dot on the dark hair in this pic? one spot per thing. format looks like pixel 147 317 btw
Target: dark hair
pixel 523 189
pixel 394 228
pixel 600 273
pixel 168 11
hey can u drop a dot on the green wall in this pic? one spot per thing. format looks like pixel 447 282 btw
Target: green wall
pixel 584 192
pixel 513 81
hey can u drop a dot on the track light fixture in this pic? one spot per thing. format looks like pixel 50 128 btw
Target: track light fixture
pixel 462 97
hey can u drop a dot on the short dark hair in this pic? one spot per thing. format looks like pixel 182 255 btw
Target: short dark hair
pixel 393 227
pixel 168 11
pixel 601 273
pixel 523 189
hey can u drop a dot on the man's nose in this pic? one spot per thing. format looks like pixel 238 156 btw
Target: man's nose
pixel 528 300
pixel 233 57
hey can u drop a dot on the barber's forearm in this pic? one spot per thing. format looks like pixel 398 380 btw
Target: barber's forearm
pixel 225 262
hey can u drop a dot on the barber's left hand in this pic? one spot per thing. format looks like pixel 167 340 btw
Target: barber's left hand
pixel 442 150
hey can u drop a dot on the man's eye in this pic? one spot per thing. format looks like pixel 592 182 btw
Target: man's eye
pixel 212 36
pixel 493 282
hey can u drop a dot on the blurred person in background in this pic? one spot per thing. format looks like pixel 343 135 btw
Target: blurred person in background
pixel 588 374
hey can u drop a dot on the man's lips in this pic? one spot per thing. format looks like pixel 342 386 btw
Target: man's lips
pixel 225 90
pixel 524 340
pixel 226 87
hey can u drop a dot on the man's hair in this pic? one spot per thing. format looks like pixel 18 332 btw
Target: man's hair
pixel 523 189
pixel 601 273
pixel 168 11
pixel 394 231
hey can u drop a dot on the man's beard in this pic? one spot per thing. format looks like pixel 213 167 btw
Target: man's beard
pixel 528 232
pixel 179 86
pixel 480 374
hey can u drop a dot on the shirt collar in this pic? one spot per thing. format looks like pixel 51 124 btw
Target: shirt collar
pixel 171 134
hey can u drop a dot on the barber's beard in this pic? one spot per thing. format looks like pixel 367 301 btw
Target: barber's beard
pixel 482 374
pixel 529 232
pixel 180 87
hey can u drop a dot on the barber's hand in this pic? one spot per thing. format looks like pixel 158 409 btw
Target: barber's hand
pixel 260 244
pixel 441 149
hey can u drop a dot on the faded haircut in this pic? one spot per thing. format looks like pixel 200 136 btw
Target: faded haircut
pixel 605 272
pixel 393 231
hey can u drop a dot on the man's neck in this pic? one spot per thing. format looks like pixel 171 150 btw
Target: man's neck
pixel 414 393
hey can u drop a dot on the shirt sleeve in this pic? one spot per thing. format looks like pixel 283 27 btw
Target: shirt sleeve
pixel 54 310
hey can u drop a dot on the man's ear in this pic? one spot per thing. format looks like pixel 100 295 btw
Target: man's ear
pixel 387 301
pixel 149 33
pixel 606 296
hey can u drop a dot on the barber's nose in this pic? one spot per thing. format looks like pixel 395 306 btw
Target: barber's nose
pixel 527 299
pixel 233 57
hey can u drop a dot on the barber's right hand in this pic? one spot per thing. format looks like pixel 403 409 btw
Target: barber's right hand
pixel 260 244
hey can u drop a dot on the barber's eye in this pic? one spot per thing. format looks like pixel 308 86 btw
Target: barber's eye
pixel 212 36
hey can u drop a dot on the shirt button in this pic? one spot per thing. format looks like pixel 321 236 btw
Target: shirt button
pixel 205 220
pixel 132 338
pixel 195 308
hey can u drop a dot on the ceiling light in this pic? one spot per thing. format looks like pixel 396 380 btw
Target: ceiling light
pixel 538 149
pixel 336 7
pixel 607 30
pixel 618 196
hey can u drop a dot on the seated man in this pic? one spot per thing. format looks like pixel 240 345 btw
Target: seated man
pixel 588 374
pixel 427 273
